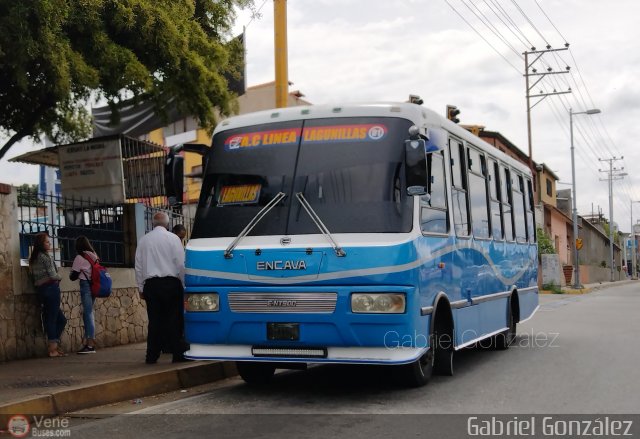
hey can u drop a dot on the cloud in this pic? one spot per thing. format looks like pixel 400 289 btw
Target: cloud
pixel 19 173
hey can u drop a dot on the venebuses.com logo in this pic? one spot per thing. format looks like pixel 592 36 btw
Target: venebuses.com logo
pixel 18 426
pixel 41 426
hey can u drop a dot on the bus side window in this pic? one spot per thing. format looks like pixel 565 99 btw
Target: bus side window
pixel 494 194
pixel 518 209
pixel 433 208
pixel 505 190
pixel 478 194
pixel 530 208
pixel 459 196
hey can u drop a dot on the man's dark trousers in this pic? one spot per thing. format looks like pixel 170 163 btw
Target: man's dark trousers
pixel 164 297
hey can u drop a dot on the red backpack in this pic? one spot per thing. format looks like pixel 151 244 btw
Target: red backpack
pixel 100 279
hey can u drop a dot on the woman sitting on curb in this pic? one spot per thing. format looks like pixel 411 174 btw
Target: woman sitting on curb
pixel 81 269
pixel 46 280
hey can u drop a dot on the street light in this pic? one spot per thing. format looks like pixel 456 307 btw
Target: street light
pixel 633 245
pixel 576 270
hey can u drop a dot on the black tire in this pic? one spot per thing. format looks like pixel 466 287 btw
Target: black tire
pixel 503 340
pixel 418 373
pixel 253 372
pixel 443 354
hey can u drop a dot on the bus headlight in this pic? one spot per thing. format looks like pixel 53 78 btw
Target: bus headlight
pixel 390 303
pixel 202 302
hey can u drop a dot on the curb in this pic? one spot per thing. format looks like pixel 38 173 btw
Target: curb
pixel 68 400
pixel 592 288
pixel 578 292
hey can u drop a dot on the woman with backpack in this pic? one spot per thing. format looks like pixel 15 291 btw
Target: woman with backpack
pixel 81 269
pixel 47 282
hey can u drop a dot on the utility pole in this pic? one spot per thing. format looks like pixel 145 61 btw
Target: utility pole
pixel 531 71
pixel 576 261
pixel 613 174
pixel 280 45
pixel 634 274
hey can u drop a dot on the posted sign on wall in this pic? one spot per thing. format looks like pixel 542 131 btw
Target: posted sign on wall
pixel 92 170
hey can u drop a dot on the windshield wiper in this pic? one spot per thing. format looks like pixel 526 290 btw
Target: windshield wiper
pixel 228 253
pixel 318 222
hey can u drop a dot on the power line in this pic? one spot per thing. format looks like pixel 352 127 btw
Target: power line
pixel 480 35
pixel 506 24
pixel 256 14
pixel 554 26
pixel 587 131
pixel 490 26
pixel 513 23
pixel 531 23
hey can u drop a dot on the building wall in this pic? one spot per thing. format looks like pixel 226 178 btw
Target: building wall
pixel 263 97
pixel 560 236
pixel 595 250
pixel 504 148
pixel 9 271
pixel 545 197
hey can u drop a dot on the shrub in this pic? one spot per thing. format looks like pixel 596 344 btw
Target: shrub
pixel 545 245
pixel 555 289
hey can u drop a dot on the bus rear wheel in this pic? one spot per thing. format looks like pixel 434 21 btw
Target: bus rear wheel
pixel 253 372
pixel 505 339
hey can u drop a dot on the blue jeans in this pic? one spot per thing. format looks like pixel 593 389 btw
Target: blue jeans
pixel 87 310
pixel 54 319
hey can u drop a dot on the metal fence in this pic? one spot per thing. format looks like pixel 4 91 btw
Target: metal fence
pixel 106 225
pixel 175 218
pixel 64 219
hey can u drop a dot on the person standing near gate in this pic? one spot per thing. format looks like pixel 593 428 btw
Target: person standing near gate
pixel 81 269
pixel 47 280
pixel 159 270
pixel 180 231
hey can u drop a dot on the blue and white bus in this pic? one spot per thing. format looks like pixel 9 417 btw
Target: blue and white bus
pixel 360 234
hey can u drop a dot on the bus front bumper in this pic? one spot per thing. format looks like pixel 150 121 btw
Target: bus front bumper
pixel 340 355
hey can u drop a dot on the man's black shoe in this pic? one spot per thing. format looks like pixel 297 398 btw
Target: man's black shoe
pixel 180 359
pixel 151 360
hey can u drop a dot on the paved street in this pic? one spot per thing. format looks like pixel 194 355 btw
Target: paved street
pixel 577 355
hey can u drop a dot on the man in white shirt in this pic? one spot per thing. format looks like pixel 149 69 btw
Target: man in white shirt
pixel 160 279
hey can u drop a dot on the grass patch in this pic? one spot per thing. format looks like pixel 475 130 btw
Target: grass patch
pixel 555 289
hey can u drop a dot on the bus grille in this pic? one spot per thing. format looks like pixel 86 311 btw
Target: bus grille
pixel 268 351
pixel 283 302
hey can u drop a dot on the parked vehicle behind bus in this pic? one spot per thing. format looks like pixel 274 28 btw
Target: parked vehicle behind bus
pixel 360 234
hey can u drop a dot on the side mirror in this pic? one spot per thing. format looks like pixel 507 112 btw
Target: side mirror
pixel 415 162
pixel 174 177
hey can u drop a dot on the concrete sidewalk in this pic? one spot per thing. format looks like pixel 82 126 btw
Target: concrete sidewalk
pixel 51 386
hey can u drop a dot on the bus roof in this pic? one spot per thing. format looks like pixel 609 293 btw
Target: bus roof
pixel 419 115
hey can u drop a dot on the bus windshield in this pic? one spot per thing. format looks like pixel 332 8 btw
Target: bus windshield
pixel 349 169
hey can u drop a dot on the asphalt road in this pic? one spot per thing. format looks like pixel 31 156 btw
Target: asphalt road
pixel 577 355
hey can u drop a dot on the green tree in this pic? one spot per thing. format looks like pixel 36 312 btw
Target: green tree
pixel 57 55
pixel 28 195
pixel 616 238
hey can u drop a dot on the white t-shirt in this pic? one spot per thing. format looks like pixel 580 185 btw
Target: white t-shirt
pixel 82 266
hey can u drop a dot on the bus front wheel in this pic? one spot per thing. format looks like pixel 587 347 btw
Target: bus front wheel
pixel 416 374
pixel 253 372
pixel 443 354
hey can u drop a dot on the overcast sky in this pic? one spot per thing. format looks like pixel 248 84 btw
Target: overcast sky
pixel 374 50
